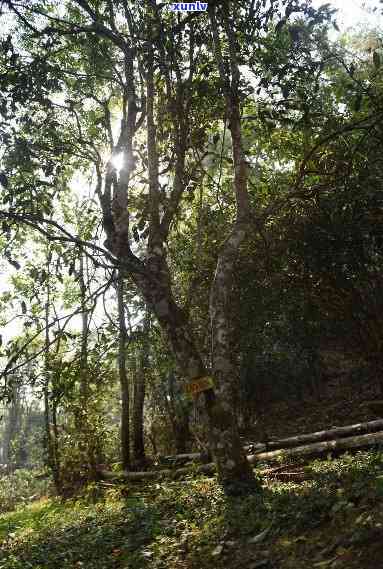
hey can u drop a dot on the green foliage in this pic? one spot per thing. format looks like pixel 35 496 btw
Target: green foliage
pixel 21 487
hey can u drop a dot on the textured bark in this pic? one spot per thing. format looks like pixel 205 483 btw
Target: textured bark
pixel 233 468
pixel 224 442
pixel 124 380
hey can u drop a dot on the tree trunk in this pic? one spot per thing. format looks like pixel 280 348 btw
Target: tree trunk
pixel 152 275
pixel 84 419
pixel 178 416
pixel 124 381
pixel 11 428
pixel 234 472
pixel 139 394
pixel 49 440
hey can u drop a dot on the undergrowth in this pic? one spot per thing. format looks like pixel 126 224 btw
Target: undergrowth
pixel 22 487
pixel 332 518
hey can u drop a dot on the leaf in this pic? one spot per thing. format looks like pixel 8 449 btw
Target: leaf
pixel 217 551
pixel 260 537
pixel 324 563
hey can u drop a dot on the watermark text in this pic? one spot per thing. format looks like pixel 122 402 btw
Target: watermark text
pixel 188 7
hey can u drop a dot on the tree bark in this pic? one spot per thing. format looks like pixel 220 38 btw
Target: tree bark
pixel 13 421
pixel 234 473
pixel 50 444
pixel 84 420
pixel 124 380
pixel 139 394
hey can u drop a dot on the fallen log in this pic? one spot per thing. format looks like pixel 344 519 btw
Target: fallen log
pixel 290 442
pixel 311 450
pixel 185 456
pixel 335 433
pixel 157 474
pixel 317 449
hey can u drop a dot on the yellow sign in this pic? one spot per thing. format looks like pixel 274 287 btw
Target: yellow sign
pixel 199 384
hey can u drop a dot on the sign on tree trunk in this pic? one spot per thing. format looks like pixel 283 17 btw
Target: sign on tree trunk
pixel 198 385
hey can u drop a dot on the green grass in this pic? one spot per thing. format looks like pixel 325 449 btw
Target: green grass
pixel 334 518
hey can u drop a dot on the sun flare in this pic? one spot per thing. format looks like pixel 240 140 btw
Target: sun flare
pixel 118 161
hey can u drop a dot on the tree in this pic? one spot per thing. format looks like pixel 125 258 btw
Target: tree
pixel 157 79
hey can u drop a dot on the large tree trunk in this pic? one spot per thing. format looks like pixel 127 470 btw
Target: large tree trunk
pixel 124 381
pixel 224 441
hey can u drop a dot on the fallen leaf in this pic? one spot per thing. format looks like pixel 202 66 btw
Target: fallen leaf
pixel 217 551
pixel 260 537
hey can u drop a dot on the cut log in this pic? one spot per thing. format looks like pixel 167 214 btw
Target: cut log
pixel 311 450
pixel 186 456
pixel 290 442
pixel 157 474
pixel 318 449
pixel 335 433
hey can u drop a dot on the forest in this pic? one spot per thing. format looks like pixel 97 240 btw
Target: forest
pixel 191 285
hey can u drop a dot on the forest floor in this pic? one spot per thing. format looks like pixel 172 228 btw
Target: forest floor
pixel 327 514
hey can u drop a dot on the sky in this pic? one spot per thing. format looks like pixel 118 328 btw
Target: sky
pixel 354 12
pixel 351 13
